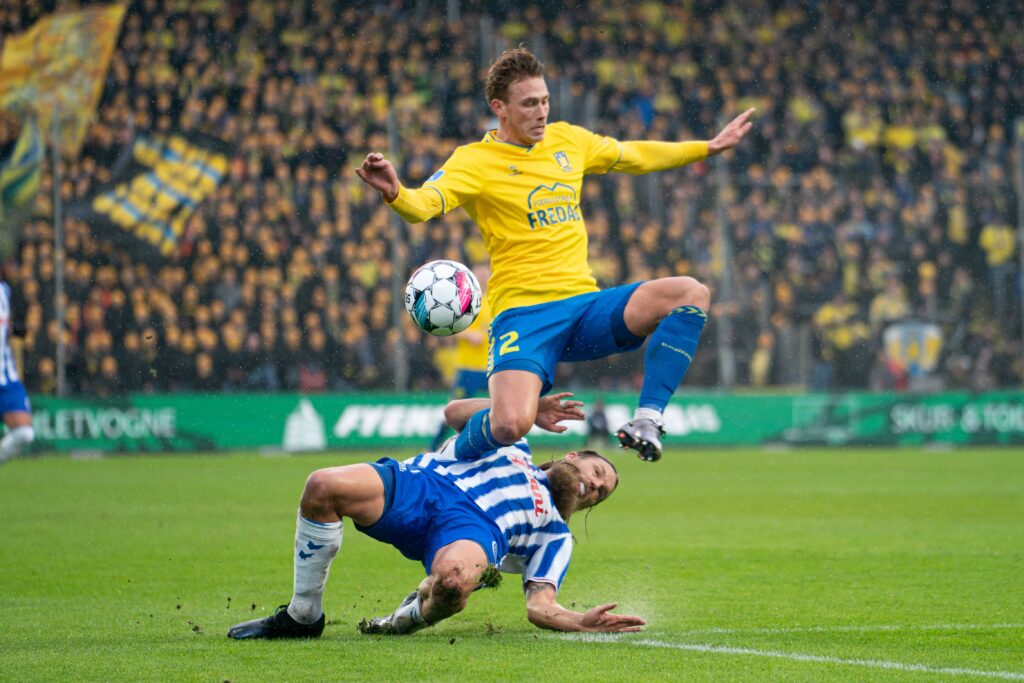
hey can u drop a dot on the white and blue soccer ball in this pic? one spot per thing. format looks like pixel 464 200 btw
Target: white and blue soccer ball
pixel 443 297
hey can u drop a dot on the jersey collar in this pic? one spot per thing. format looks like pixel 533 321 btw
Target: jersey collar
pixel 491 137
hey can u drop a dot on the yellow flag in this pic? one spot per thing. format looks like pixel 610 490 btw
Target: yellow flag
pixel 60 63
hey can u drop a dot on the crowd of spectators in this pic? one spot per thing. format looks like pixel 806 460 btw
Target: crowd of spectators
pixel 874 188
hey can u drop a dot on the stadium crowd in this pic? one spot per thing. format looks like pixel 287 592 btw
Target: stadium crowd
pixel 876 186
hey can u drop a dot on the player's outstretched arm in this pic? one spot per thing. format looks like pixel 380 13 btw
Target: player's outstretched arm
pixel 380 174
pixel 458 181
pixel 551 410
pixel 646 156
pixel 731 135
pixel 543 610
pixel 414 206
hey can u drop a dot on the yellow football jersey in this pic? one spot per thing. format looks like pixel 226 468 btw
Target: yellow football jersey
pixel 526 202
pixel 472 354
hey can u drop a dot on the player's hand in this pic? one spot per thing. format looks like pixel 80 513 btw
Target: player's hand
pixel 552 409
pixel 730 136
pixel 379 173
pixel 600 619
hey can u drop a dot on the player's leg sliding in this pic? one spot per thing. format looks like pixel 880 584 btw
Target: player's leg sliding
pixel 456 571
pixel 406 619
pixel 668 356
pixel 316 545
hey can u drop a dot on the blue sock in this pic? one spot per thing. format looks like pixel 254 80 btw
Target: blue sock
pixel 669 354
pixel 476 439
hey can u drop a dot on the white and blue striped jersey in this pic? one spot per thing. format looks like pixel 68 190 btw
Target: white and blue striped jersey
pixel 8 371
pixel 515 495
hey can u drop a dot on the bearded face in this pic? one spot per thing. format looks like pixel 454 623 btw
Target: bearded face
pixel 580 480
pixel 566 483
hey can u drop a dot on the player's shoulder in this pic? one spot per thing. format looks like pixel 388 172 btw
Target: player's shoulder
pixel 470 154
pixel 483 145
pixel 564 129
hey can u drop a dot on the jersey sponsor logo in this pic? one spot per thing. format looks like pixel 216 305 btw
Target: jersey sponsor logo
pixel 563 161
pixel 552 204
pixel 437 176
pixel 535 489
pixel 512 170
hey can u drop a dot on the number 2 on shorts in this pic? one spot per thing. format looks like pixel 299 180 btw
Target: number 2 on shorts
pixel 508 343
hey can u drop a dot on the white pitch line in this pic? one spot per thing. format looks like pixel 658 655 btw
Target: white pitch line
pixel 800 657
pixel 850 629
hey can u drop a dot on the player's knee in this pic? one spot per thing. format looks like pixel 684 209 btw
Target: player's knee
pixel 449 574
pixel 693 293
pixel 453 583
pixel 508 429
pixel 509 424
pixel 316 496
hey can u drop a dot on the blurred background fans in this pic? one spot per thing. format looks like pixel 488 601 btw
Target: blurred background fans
pixel 217 240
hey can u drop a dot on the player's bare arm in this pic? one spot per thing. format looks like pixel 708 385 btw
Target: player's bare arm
pixel 731 135
pixel 379 173
pixel 543 611
pixel 551 410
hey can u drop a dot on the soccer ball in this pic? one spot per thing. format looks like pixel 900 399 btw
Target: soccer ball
pixel 443 297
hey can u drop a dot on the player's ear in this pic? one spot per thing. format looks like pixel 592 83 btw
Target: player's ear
pixel 571 455
pixel 498 107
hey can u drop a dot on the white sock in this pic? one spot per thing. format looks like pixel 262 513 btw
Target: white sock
pixel 15 440
pixel 652 414
pixel 407 618
pixel 316 544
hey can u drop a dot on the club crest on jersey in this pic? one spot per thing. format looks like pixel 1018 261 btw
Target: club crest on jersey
pixel 563 161
pixel 512 170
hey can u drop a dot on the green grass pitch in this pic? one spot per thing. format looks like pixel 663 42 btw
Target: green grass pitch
pixel 902 565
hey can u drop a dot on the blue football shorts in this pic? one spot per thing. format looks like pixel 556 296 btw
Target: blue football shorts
pixel 583 327
pixel 469 383
pixel 424 512
pixel 14 399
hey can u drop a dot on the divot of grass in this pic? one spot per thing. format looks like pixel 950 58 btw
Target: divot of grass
pixel 490 577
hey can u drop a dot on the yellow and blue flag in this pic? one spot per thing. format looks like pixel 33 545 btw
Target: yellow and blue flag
pixel 19 173
pixel 148 205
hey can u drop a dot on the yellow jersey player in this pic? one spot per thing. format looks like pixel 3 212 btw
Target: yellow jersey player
pixel 470 358
pixel 522 185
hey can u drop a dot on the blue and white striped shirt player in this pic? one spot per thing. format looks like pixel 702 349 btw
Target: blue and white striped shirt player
pixel 8 371
pixel 514 494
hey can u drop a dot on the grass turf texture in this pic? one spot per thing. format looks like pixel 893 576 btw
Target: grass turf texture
pixel 747 565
